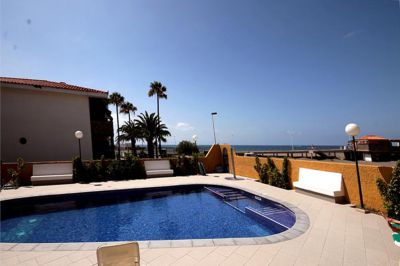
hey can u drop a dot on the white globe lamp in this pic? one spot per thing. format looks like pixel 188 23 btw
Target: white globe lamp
pixel 353 130
pixel 79 135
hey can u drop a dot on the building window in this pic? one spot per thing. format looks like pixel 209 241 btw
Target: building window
pixel 22 140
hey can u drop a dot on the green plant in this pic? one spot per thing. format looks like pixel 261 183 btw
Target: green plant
pixel 16 173
pixel 157 88
pixel 130 168
pixel 262 170
pixel 186 148
pixel 184 165
pixel 117 99
pixel 151 129
pixel 92 171
pixel 391 192
pixel 78 172
pixel 130 131
pixel 269 174
pixel 285 172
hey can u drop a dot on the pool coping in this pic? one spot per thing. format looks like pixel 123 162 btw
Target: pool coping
pixel 301 226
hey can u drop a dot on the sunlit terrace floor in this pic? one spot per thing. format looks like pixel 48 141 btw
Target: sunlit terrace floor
pixel 338 234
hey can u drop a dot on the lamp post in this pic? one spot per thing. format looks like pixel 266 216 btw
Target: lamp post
pixel 194 139
pixel 79 135
pixel 353 130
pixel 212 118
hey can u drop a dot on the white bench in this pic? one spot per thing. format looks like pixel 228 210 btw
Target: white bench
pixel 51 173
pixel 158 168
pixel 323 184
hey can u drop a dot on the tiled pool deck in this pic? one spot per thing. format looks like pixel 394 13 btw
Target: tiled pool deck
pixel 334 234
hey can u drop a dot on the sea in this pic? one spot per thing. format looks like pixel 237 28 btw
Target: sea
pixel 249 148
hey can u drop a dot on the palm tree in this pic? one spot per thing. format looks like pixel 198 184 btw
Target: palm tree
pixel 127 108
pixel 148 126
pixel 131 132
pixel 156 88
pixel 117 99
pixel 162 133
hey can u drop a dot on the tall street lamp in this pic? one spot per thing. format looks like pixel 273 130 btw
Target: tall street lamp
pixel 79 135
pixel 194 139
pixel 353 130
pixel 212 118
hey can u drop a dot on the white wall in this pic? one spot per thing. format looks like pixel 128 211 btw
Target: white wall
pixel 48 121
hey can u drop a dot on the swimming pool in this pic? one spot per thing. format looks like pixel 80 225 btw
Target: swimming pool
pixel 169 213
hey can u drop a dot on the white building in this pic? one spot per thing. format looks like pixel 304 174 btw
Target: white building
pixel 39 118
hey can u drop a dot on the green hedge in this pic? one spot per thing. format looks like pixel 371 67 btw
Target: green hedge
pixel 184 165
pixel 103 170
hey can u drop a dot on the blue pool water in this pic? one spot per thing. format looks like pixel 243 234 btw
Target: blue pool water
pixel 184 214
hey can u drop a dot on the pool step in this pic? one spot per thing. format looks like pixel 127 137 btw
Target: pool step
pixel 270 210
pixel 226 194
pixel 256 212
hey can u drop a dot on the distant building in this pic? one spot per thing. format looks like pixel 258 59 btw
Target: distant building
pixel 39 117
pixel 376 148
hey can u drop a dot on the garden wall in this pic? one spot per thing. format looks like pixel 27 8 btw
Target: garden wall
pixel 244 166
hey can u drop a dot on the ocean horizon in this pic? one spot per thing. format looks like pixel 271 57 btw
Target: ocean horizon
pixel 249 148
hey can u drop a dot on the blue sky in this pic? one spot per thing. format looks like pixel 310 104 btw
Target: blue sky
pixel 270 69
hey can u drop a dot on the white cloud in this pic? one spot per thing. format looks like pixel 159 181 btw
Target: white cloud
pixel 184 126
pixel 352 33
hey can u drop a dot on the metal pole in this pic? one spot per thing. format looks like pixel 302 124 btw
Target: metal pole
pixel 358 173
pixel 80 153
pixel 212 117
pixel 233 164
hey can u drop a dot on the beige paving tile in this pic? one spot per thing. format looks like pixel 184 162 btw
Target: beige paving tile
pixel 225 250
pixel 70 246
pixel 151 254
pixel 179 252
pixel 283 259
pixel 376 257
pixel 337 233
pixel 8 254
pixel 394 262
pixel 47 257
pixel 247 251
pixel 373 239
pixel 63 261
pixel 185 261
pixel 79 255
pixel 83 262
pixel 260 257
pixel 25 256
pixel 23 247
pixel 46 247
pixel 308 257
pixel 7 246
pixel 9 261
pixel 213 258
pixel 200 252
pixel 91 246
pixel 234 260
pixel 355 256
pixel 31 262
pixel 163 260
pixel 330 260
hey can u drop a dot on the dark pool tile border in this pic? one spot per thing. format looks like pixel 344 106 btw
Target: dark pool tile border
pixel 300 227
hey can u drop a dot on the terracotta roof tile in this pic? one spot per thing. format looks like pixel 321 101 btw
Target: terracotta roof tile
pixel 49 84
pixel 372 137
